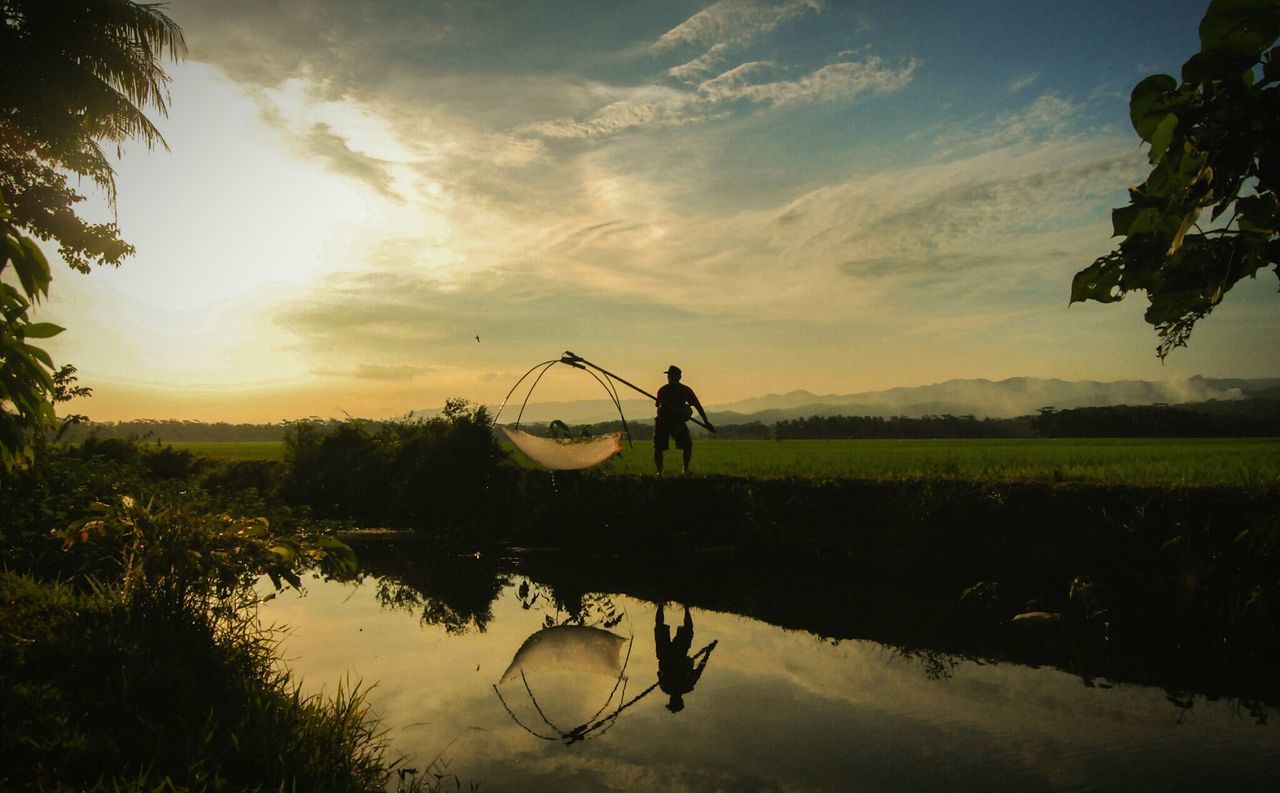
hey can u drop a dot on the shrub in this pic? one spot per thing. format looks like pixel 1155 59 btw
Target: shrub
pixel 446 472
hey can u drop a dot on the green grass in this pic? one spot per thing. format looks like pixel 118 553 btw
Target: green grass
pixel 1194 462
pixel 1197 462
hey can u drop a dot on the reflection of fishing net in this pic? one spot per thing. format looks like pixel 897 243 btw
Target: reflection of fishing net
pixel 564 455
pixel 562 661
pixel 569 648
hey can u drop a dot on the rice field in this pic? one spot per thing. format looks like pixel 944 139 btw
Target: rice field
pixel 1250 462
pixel 1196 462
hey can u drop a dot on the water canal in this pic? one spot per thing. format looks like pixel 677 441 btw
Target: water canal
pixel 773 709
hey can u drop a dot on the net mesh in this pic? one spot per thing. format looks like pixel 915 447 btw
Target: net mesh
pixel 564 455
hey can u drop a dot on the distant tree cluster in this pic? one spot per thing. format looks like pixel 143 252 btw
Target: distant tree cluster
pixel 174 431
pixel 1254 418
pixel 945 426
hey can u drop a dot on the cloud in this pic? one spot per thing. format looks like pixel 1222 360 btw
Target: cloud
pixel 733 22
pixel 1018 83
pixel 724 28
pixel 1047 117
pixel 650 107
pixel 336 152
pixel 367 371
pixel 704 63
pixel 833 83
pixel 659 107
pixel 977 226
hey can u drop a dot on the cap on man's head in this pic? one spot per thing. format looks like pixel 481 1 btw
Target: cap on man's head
pixel 673 369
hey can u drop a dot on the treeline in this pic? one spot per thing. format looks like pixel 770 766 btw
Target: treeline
pixel 946 426
pixel 1251 418
pixel 173 430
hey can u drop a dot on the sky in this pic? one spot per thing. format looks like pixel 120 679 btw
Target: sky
pixel 367 207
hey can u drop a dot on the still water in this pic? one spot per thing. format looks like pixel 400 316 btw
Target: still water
pixel 771 710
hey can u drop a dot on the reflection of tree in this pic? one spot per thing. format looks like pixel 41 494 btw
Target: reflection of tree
pixel 566 606
pixel 936 664
pixel 453 590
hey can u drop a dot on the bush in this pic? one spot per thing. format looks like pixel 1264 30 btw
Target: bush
pixel 446 473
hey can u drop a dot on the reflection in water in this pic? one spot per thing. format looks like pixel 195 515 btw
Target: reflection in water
pixel 677 674
pixel 784 709
pixel 453 590
pixel 575 649
pixel 569 649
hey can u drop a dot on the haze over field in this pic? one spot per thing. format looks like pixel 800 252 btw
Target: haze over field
pixel 368 208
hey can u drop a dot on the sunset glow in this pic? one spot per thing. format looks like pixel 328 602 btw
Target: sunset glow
pixel 369 208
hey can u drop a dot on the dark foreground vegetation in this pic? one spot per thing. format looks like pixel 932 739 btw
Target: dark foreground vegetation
pixel 133 659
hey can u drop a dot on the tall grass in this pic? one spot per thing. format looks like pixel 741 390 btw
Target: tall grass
pixel 102 689
pixel 132 654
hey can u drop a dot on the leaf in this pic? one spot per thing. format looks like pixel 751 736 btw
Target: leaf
pixel 1134 219
pixel 1239 29
pixel 42 330
pixel 1161 137
pixel 1101 281
pixel 1144 110
pixel 1259 214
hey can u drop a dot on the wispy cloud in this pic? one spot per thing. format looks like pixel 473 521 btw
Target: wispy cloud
pixel 1046 117
pixel 652 107
pixel 734 22
pixel 836 82
pixel 368 371
pixel 335 151
pixel 1018 83
pixel 659 107
pixel 724 28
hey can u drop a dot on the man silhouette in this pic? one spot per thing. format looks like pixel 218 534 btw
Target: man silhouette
pixel 676 673
pixel 676 403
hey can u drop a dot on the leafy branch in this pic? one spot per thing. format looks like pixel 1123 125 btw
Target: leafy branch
pixel 1213 146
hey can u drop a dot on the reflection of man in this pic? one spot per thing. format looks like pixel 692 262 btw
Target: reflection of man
pixel 676 403
pixel 676 673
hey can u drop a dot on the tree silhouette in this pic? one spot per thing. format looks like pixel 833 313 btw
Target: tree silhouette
pixel 1213 146
pixel 75 75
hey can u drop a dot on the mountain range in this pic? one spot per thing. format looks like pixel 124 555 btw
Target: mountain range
pixel 1017 396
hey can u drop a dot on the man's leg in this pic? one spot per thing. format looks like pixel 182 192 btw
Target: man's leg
pixel 660 440
pixel 688 454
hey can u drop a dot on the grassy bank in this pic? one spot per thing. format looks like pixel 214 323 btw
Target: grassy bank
pixel 103 693
pixel 132 654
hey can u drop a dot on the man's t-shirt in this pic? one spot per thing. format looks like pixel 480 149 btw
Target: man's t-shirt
pixel 674 400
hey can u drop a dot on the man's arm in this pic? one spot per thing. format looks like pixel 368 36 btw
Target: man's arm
pixel 692 398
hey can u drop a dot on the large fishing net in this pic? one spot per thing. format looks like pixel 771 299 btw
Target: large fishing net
pixel 564 455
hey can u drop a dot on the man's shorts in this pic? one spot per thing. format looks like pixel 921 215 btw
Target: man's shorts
pixel 675 430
